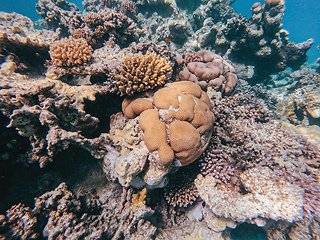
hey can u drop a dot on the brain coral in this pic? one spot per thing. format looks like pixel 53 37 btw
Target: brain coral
pixel 176 122
pixel 142 72
pixel 209 69
pixel 70 52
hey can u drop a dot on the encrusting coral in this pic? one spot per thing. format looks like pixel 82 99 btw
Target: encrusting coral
pixel 70 51
pixel 142 72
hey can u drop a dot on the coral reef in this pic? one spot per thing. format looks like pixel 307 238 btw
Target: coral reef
pixel 268 195
pixel 209 69
pixel 70 51
pixel 142 72
pixel 184 109
pixel 195 151
pixel 60 214
pixel 259 41
pixel 60 14
pixel 25 45
pixel 109 24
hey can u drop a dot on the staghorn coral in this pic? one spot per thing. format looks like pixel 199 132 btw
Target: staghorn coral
pixel 70 51
pixel 209 70
pixel 142 72
pixel 145 122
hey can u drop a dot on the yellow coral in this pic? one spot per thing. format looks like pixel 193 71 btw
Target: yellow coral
pixel 139 199
pixel 142 72
pixel 70 52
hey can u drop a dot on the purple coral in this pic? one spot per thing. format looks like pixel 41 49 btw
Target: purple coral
pixel 216 163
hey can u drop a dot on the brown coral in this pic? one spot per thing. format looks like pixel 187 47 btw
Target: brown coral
pixel 209 69
pixel 70 51
pixel 142 72
pixel 183 109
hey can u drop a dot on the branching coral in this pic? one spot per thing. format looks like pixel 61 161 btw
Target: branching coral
pixel 60 214
pixel 109 24
pixel 70 51
pixel 60 14
pixel 181 191
pixel 142 72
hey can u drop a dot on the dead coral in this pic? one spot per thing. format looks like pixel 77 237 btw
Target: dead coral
pixel 60 14
pixel 19 223
pixel 142 72
pixel 107 3
pixel 70 51
pixel 266 192
pixel 109 24
pixel 21 41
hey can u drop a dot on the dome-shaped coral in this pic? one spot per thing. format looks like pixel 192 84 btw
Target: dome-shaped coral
pixel 176 122
pixel 209 69
pixel 142 72
pixel 70 52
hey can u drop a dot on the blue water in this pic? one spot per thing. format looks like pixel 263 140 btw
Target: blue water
pixel 301 19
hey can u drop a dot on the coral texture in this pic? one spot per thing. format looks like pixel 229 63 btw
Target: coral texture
pixel 142 72
pixel 25 45
pixel 60 14
pixel 259 41
pixel 70 51
pixel 209 69
pixel 182 108
pixel 268 195
pixel 60 214
pixel 109 24
pixel 190 113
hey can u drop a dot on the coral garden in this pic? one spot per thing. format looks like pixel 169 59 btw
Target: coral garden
pixel 156 120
